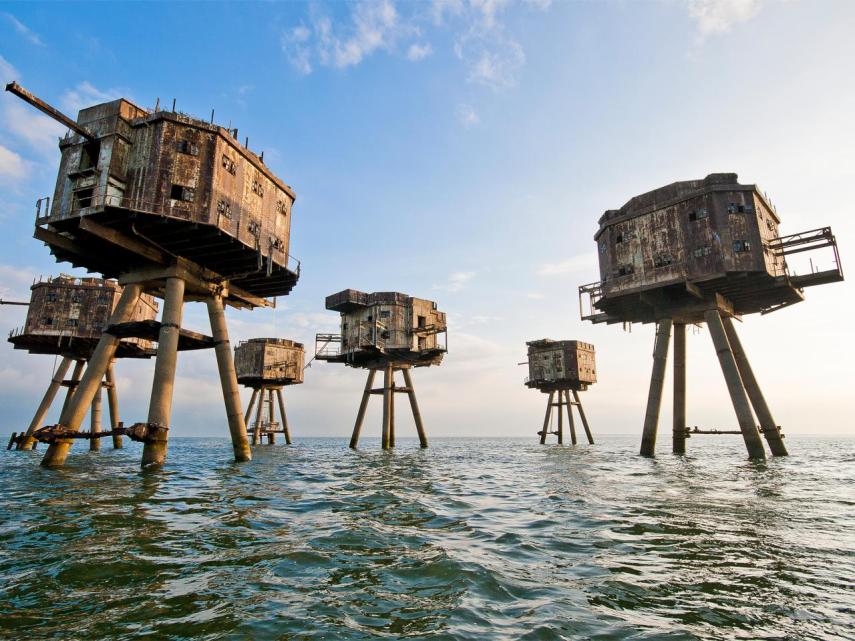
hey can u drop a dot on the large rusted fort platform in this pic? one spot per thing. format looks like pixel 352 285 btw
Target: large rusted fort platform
pixel 697 251
pixel 558 368
pixel 266 365
pixel 386 331
pixel 172 206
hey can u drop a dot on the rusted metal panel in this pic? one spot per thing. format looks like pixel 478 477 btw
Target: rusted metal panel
pixel 269 361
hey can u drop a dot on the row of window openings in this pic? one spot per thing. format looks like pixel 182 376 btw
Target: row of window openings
pixel 48 321
pixel 663 260
pixel 77 297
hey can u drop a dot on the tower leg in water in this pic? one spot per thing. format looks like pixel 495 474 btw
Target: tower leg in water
pixel 392 411
pixel 95 422
pixel 560 406
pixel 250 406
pixel 228 379
pixel 360 415
pixel 259 415
pixel 657 380
pixel 679 426
pixel 271 437
pixel 113 406
pixel 414 406
pixel 583 417
pixel 44 407
pixel 387 407
pixel 755 394
pixel 735 387
pixel 163 385
pixel 546 418
pixel 570 423
pixel 286 430
pixel 90 382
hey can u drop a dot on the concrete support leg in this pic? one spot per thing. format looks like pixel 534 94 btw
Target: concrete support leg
pixel 753 442
pixel 228 379
pixel 95 422
pixel 360 415
pixel 546 418
pixel 414 406
pixel 47 400
pixel 657 380
pixel 160 404
pixel 679 427
pixel 755 394
pixel 285 428
pixel 259 416
pixel 583 417
pixel 570 423
pixel 250 406
pixel 79 366
pixel 387 407
pixel 271 413
pixel 90 382
pixel 392 412
pixel 113 405
pixel 560 417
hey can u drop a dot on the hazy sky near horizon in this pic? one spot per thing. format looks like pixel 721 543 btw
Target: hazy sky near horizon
pixel 463 151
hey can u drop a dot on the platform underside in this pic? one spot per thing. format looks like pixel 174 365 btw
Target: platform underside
pixel 257 382
pixel 553 386
pixel 374 358
pixel 202 244
pixel 744 293
pixel 150 330
pixel 75 347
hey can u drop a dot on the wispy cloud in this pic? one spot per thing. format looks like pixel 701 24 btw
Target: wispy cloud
pixel 466 116
pixel 418 52
pixel 11 164
pixel 581 262
pixel 38 131
pixel 456 281
pixel 85 94
pixel 719 16
pixel 8 73
pixel 24 30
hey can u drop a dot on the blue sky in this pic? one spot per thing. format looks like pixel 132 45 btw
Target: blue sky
pixel 463 152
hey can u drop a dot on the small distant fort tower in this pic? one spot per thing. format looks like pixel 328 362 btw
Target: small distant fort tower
pixel 66 318
pixel 266 365
pixel 388 332
pixel 702 251
pixel 172 206
pixel 559 368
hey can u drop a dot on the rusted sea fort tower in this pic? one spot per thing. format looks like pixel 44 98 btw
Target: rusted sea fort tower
pixel 389 332
pixel 266 365
pixel 66 317
pixel 175 207
pixel 702 251
pixel 559 368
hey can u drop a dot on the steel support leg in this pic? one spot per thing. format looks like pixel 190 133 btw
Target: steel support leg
pixel 90 382
pixel 79 367
pixel 753 442
pixel 113 406
pixel 387 406
pixel 163 385
pixel 414 406
pixel 250 406
pixel 679 427
pixel 285 429
pixel 259 415
pixel 546 418
pixel 360 415
pixel 560 417
pixel 392 412
pixel 228 379
pixel 755 394
pixel 657 380
pixel 583 417
pixel 44 407
pixel 95 422
pixel 570 422
pixel 271 413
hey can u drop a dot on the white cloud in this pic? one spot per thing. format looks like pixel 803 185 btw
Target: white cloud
pixel 466 115
pixel 85 94
pixel 24 30
pixel 8 73
pixel 456 281
pixel 582 262
pixel 15 282
pixel 39 131
pixel 418 52
pixel 11 164
pixel 719 16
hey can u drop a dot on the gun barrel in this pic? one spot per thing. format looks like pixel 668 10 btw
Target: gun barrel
pixel 41 105
pixel 12 302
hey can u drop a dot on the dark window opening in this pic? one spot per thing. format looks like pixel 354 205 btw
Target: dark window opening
pixel 89 154
pixel 47 321
pixel 421 321
pixel 385 314
pixel 698 214
pixel 50 297
pixel 662 260
pixel 185 194
pixel 625 270
pixel 422 343
pixel 619 238
pixel 83 197
pixel 741 246
pixel 72 322
pixel 229 165
pixel 188 147
pixel 702 251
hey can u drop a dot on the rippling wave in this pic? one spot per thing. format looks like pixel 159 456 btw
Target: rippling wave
pixel 470 539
